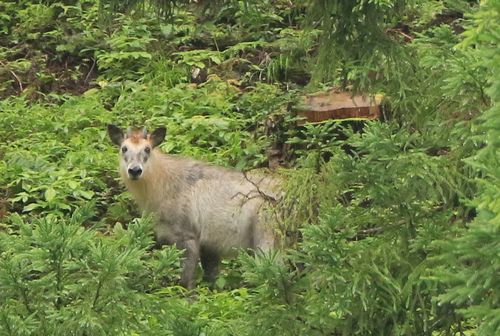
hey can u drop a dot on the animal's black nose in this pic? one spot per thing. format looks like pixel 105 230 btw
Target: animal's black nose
pixel 135 172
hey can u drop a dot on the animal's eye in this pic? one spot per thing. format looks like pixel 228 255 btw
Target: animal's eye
pixel 147 150
pixel 124 149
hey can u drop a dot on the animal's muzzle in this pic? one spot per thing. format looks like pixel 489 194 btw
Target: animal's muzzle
pixel 134 172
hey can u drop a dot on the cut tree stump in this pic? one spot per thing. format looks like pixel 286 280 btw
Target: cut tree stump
pixel 338 105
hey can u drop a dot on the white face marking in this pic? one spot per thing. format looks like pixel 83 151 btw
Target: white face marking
pixel 135 153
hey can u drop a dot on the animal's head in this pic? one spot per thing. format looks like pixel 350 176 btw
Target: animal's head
pixel 136 148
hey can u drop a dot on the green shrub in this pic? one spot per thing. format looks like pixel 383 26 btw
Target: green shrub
pixel 59 278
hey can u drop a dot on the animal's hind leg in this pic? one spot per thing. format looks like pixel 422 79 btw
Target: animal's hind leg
pixel 263 240
pixel 210 262
pixel 189 262
pixel 263 234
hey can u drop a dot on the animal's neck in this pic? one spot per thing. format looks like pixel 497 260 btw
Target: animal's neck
pixel 158 182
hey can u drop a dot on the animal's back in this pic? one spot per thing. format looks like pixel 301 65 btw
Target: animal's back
pixel 224 206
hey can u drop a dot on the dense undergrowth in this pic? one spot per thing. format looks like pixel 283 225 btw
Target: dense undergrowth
pixel 391 230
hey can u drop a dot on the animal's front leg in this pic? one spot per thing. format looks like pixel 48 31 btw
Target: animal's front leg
pixel 189 262
pixel 210 262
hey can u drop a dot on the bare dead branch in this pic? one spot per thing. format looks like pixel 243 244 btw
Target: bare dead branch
pixel 90 71
pixel 14 75
pixel 398 31
pixel 262 194
pixel 247 196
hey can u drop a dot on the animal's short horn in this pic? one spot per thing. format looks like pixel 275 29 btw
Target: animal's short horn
pixel 143 132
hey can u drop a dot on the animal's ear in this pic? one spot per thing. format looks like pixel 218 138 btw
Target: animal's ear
pixel 115 134
pixel 158 136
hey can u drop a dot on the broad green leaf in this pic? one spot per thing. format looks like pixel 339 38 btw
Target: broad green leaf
pixel 50 193
pixel 31 207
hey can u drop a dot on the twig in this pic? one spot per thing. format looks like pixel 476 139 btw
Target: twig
pixel 246 196
pixel 251 194
pixel 265 196
pixel 90 71
pixel 13 74
pixel 408 37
